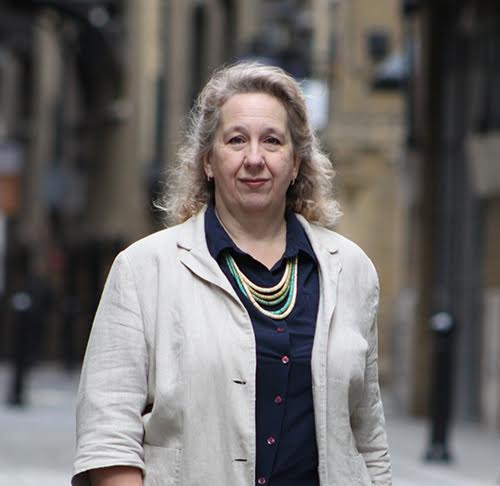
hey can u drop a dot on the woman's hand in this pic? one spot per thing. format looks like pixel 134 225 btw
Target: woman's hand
pixel 116 476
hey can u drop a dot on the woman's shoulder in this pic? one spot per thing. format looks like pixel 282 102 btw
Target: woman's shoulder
pixel 151 245
pixel 156 248
pixel 351 254
pixel 166 240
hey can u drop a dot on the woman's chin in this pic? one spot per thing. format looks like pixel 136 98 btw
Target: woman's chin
pixel 256 205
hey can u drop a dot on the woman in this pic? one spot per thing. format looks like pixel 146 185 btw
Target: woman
pixel 238 347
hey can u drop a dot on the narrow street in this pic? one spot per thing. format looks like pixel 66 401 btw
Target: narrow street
pixel 37 442
pixel 476 456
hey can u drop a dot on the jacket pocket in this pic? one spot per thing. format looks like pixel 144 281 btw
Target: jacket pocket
pixel 162 466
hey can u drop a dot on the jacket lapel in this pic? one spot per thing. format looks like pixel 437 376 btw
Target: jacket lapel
pixel 195 256
pixel 329 267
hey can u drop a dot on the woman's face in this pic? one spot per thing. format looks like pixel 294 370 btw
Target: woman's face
pixel 252 160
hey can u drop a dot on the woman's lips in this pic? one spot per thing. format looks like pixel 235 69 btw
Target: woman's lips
pixel 254 183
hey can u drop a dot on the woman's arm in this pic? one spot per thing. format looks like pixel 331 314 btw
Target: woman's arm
pixel 367 421
pixel 116 476
pixel 114 383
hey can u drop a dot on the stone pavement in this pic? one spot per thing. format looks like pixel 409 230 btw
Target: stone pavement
pixel 37 442
pixel 476 455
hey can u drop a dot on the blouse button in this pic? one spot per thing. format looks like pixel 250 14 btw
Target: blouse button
pixel 280 330
pixel 278 399
pixel 261 481
pixel 285 359
pixel 271 440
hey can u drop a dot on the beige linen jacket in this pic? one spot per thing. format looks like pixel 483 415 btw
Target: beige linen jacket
pixel 168 382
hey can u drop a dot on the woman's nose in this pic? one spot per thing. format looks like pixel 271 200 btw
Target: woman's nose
pixel 254 156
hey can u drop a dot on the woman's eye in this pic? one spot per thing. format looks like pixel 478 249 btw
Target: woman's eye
pixel 236 140
pixel 273 141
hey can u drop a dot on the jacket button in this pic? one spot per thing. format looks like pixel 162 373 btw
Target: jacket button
pixel 271 440
pixel 278 399
pixel 261 481
pixel 285 359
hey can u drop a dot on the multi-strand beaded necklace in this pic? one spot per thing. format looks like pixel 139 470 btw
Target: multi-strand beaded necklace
pixel 285 290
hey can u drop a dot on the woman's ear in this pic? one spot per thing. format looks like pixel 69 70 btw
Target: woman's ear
pixel 207 166
pixel 296 166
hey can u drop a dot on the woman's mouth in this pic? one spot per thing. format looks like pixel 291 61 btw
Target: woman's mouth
pixel 254 183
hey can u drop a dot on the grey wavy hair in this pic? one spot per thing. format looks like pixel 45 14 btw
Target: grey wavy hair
pixel 188 190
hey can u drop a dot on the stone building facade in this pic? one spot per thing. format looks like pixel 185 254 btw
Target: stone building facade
pixel 365 136
pixel 453 179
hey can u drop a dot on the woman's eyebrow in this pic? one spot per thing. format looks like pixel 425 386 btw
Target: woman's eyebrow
pixel 243 129
pixel 234 128
pixel 274 130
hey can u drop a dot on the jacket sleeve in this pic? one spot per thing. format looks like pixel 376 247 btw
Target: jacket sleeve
pixel 113 385
pixel 367 420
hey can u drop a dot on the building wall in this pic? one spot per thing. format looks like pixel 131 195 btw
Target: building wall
pixel 490 359
pixel 365 137
pixel 45 88
pixel 492 246
pixel 118 207
pixel 453 262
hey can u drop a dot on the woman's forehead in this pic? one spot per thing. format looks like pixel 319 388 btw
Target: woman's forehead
pixel 253 108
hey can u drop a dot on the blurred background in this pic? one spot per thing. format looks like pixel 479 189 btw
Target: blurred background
pixel 404 95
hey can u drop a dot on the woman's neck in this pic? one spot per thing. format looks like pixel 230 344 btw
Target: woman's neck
pixel 262 238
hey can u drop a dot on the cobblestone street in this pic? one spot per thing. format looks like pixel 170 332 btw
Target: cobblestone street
pixel 37 442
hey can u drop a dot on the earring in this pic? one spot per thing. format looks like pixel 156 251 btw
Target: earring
pixel 209 179
pixel 293 181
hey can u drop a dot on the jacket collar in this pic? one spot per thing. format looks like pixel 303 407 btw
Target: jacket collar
pixel 326 246
pixel 218 240
pixel 195 256
pixel 191 235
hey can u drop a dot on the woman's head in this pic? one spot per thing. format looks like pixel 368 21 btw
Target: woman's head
pixel 311 194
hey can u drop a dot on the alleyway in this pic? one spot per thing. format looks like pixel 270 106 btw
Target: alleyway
pixel 36 443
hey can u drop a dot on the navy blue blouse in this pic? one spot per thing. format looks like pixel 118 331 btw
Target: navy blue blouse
pixel 287 453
